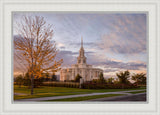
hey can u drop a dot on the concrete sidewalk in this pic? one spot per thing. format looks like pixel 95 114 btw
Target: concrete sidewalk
pixel 72 96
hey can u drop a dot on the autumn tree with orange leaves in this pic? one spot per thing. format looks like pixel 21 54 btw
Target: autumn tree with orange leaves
pixel 35 47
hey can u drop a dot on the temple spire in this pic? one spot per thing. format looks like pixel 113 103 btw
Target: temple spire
pixel 81 41
pixel 81 58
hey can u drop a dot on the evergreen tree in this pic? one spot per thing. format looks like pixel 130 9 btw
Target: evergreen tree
pixel 139 78
pixel 19 80
pixel 101 78
pixel 123 77
pixel 77 78
pixel 54 77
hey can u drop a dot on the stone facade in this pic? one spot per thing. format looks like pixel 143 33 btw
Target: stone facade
pixel 82 68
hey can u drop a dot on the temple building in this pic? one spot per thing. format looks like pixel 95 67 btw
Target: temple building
pixel 82 68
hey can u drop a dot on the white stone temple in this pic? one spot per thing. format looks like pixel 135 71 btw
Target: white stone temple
pixel 82 68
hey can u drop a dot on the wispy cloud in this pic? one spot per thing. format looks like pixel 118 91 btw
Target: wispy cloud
pixel 127 35
pixel 113 42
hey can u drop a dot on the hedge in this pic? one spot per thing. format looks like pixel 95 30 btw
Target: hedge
pixel 61 84
pixel 108 86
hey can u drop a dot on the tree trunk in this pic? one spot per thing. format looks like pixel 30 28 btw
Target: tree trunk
pixel 32 78
pixel 32 83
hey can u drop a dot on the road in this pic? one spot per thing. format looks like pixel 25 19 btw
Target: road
pixel 133 97
pixel 80 95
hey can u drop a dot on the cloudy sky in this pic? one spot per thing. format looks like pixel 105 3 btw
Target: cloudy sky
pixel 112 41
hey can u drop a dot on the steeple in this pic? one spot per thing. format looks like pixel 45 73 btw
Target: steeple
pixel 81 58
pixel 81 41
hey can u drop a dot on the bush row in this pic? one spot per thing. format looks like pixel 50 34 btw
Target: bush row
pixel 122 86
pixel 93 86
pixel 108 86
pixel 61 84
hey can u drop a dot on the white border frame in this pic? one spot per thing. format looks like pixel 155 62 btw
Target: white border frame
pixel 6 107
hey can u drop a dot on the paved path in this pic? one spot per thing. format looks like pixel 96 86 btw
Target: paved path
pixel 20 94
pixel 133 97
pixel 80 95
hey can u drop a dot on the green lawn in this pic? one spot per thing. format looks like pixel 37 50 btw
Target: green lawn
pixel 87 97
pixel 58 91
pixel 137 92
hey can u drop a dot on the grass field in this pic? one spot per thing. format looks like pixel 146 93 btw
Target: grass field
pixel 58 91
pixel 137 92
pixel 87 97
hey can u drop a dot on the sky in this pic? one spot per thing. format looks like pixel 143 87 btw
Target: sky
pixel 112 41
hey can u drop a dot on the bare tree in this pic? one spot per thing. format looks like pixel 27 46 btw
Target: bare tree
pixel 34 45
